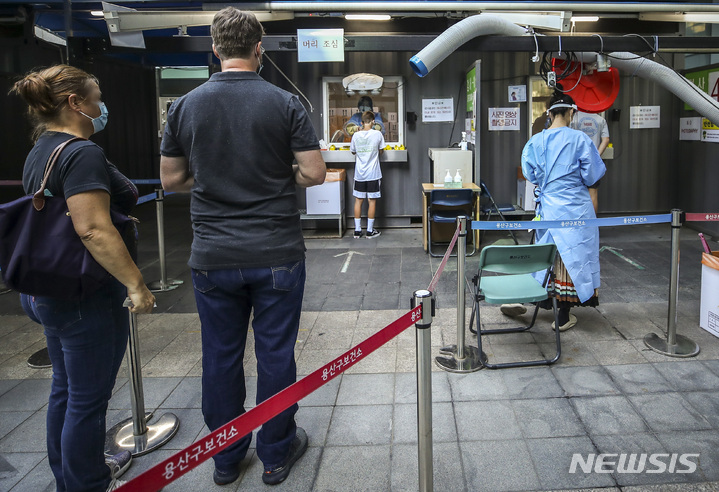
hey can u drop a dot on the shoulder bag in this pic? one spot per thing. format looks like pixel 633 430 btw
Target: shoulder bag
pixel 40 252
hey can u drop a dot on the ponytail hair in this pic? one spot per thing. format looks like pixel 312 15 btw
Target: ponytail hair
pixel 560 98
pixel 46 93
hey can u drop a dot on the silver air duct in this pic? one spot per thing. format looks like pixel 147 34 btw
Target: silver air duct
pixel 480 25
pixel 677 84
pixel 454 37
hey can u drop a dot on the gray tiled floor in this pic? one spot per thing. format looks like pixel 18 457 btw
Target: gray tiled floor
pixel 511 429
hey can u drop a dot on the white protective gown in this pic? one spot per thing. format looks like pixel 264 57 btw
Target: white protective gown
pixel 562 162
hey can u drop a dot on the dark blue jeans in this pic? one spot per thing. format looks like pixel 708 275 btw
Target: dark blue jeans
pixel 225 299
pixel 86 341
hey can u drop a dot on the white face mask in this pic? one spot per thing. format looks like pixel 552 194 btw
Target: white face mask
pixel 259 59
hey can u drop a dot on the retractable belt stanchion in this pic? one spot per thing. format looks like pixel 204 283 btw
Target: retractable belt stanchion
pixel 674 345
pixel 424 389
pixel 164 284
pixel 134 434
pixel 460 357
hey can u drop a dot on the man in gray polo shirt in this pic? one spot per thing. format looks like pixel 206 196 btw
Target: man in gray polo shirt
pixel 231 143
pixel 595 127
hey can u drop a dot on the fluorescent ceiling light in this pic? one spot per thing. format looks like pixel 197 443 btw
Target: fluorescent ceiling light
pixel 585 18
pixel 97 13
pixel 374 17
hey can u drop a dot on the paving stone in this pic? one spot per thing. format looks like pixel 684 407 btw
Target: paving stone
pixel 479 385
pixel 668 412
pixel 637 378
pixel 498 466
pixel 366 389
pixel 446 464
pixel 608 415
pixel 585 381
pixel 547 417
pixel 552 458
pixel 406 388
pixel 688 375
pixel 360 425
pixel 531 382
pixel 702 443
pixel 31 394
pixel 486 420
pixel 28 437
pixel 404 423
pixel 361 468
pixel 14 466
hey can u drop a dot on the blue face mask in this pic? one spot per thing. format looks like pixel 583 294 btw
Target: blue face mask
pixel 98 123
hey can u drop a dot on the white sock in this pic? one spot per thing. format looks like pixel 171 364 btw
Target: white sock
pixel 370 225
pixel 358 225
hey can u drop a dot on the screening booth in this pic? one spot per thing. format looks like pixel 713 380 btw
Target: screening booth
pixel 644 174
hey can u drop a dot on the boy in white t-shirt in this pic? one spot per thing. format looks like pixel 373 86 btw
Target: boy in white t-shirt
pixel 367 144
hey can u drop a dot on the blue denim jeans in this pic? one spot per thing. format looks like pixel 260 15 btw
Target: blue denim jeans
pixel 86 341
pixel 225 299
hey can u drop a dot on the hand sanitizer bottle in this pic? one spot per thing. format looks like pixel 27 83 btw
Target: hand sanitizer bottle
pixel 448 183
pixel 457 180
pixel 463 142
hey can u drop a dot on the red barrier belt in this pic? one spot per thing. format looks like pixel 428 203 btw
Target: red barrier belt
pixel 435 279
pixel 702 217
pixel 182 462
pixel 10 182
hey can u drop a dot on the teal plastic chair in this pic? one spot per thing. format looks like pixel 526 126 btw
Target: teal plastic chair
pixel 515 284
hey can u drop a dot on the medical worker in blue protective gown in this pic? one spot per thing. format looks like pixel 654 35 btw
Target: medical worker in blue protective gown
pixel 563 163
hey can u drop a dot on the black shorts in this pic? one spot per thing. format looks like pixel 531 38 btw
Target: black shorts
pixel 367 189
pixel 595 185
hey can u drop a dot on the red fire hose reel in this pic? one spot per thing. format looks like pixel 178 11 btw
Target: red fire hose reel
pixel 592 92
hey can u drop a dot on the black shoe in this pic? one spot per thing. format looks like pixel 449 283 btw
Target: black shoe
pixel 373 233
pixel 297 449
pixel 224 478
pixel 358 234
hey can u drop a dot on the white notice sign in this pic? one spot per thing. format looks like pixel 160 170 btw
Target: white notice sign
pixel 501 119
pixel 690 128
pixel 320 45
pixel 437 110
pixel 643 117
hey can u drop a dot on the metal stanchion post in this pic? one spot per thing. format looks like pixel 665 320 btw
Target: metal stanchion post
pixel 424 391
pixel 674 345
pixel 461 358
pixel 164 284
pixel 134 434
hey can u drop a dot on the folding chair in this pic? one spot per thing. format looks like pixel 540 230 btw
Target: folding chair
pixel 515 285
pixel 444 207
pixel 491 205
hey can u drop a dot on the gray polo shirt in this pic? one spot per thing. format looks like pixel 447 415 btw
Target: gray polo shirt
pixel 239 132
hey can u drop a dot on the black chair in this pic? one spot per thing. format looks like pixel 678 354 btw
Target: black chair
pixel 491 206
pixel 444 207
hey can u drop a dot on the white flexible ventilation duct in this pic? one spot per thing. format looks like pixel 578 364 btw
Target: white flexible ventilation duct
pixel 454 37
pixel 482 24
pixel 677 84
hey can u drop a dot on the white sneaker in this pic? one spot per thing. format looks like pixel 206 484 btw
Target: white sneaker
pixel 512 310
pixel 115 484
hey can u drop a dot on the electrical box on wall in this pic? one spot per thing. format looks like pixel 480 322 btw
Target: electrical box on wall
pixel 171 83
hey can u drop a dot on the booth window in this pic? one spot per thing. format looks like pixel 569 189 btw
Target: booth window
pixel 339 107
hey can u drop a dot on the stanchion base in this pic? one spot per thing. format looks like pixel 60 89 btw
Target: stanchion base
pixel 121 437
pixel 685 347
pixel 40 359
pixel 470 363
pixel 171 284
